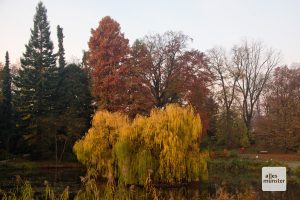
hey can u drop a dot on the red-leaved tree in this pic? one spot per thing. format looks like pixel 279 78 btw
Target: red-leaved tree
pixel 116 83
pixel 173 73
pixel 108 52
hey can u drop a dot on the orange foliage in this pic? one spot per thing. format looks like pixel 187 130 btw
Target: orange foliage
pixel 108 51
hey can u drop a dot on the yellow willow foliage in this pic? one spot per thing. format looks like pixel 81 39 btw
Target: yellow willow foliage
pixel 96 148
pixel 164 146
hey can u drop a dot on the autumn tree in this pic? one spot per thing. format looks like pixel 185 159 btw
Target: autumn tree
pixel 279 127
pixel 36 83
pixel 108 52
pixel 6 119
pixel 163 147
pixel 172 72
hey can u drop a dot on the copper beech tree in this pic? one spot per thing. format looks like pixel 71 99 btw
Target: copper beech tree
pixel 172 72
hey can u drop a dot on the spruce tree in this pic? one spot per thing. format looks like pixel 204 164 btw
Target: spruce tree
pixel 6 107
pixel 61 50
pixel 36 83
pixel 61 64
pixel 75 106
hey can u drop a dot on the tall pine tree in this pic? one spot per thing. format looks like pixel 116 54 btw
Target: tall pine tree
pixel 6 106
pixel 61 50
pixel 60 107
pixel 36 84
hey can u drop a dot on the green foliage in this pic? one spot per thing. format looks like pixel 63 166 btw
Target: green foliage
pixel 231 130
pixel 233 154
pixel 6 122
pixel 163 146
pixel 36 84
pixel 1 83
pixel 61 50
pixel 53 104
pixel 73 106
pixel 297 172
pixel 236 165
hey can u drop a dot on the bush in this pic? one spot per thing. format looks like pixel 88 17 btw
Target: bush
pixel 231 131
pixel 233 154
pixel 297 172
pixel 163 147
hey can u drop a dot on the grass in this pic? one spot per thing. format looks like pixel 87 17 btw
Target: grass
pixel 236 165
pixel 24 191
pixel 31 165
pixel 223 195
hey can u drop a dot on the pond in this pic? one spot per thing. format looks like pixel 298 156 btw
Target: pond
pixel 61 178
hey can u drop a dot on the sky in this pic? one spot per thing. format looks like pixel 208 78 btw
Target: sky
pixel 209 22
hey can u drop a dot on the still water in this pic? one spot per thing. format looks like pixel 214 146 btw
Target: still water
pixel 61 178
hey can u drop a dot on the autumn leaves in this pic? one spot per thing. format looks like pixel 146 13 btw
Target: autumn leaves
pixel 166 145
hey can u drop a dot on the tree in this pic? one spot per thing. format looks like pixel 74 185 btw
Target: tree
pixel 253 64
pixel 172 72
pixel 140 99
pixel 163 147
pixel 226 93
pixel 279 127
pixel 36 83
pixel 6 125
pixel 61 50
pixel 1 82
pixel 75 109
pixel 108 51
pixel 84 63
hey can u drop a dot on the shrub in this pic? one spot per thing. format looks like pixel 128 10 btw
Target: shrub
pixel 233 154
pixel 297 172
pixel 231 131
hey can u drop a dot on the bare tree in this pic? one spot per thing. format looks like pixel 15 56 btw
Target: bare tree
pixel 222 69
pixel 252 66
pixel 225 87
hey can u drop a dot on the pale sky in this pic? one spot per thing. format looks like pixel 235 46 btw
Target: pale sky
pixel 209 22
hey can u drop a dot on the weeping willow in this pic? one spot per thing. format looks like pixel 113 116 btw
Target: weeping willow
pixel 164 146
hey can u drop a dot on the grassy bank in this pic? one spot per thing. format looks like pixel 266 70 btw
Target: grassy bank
pixel 238 165
pixel 31 165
